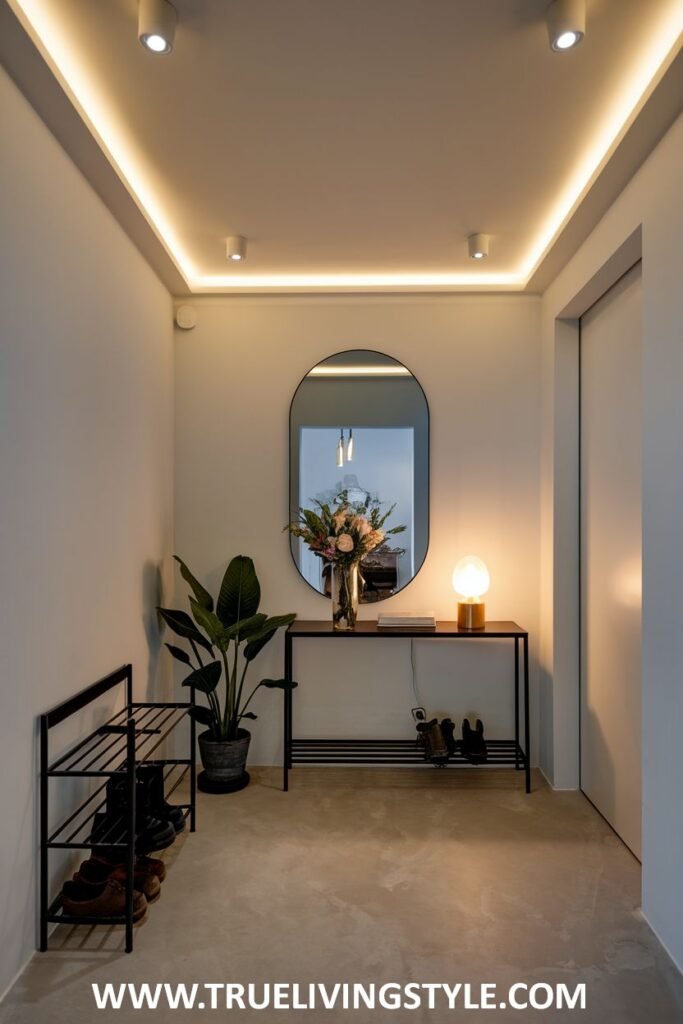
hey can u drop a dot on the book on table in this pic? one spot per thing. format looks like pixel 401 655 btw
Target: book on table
pixel 406 620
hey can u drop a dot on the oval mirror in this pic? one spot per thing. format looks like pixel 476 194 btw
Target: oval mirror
pixel 359 438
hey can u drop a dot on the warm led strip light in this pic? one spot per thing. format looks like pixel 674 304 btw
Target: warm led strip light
pixel 41 20
pixel 359 371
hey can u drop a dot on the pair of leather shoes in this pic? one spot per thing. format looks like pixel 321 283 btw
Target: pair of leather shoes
pixel 98 888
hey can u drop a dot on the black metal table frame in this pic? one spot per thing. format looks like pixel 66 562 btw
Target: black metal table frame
pixel 113 747
pixel 356 751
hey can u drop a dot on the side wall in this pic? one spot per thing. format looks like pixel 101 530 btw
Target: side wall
pixel 478 360
pixel 86 424
pixel 653 200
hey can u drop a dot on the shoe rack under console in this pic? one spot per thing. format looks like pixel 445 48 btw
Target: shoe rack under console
pixel 129 738
pixel 501 753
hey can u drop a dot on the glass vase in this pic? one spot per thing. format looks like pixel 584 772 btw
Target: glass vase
pixel 344 596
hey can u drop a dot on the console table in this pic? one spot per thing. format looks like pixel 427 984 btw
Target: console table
pixel 404 751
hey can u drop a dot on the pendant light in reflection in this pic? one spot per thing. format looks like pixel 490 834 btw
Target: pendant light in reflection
pixel 349 446
pixel 340 449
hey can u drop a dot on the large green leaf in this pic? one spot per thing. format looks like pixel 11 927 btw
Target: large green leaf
pixel 279 684
pixel 204 716
pixel 205 678
pixel 208 621
pixel 240 593
pixel 202 595
pixel 266 634
pixel 179 654
pixel 182 624
pixel 255 646
pixel 275 622
pixel 246 628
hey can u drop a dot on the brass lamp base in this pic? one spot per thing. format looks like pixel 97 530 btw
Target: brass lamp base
pixel 471 614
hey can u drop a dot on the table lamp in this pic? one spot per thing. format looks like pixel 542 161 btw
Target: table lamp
pixel 471 581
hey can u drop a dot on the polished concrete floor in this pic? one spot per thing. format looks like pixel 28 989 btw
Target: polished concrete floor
pixel 380 876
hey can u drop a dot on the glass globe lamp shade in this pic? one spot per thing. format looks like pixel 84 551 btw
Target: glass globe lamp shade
pixel 471 581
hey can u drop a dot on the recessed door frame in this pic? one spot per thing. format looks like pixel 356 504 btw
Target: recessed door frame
pixel 561 584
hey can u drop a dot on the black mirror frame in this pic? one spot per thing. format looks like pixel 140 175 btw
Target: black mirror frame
pixel 429 469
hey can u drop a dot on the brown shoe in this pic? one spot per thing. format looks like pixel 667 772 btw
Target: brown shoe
pixel 153 865
pixel 94 873
pixel 78 901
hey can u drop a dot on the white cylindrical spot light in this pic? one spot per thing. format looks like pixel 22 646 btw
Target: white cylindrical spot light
pixel 478 246
pixel 236 248
pixel 566 24
pixel 156 25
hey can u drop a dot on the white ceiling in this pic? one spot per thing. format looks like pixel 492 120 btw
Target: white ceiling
pixel 356 138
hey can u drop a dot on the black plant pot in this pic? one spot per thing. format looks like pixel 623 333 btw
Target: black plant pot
pixel 224 762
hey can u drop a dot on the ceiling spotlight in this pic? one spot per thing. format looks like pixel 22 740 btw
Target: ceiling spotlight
pixel 156 25
pixel 478 246
pixel 566 23
pixel 236 248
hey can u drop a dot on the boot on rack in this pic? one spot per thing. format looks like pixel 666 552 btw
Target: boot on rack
pixel 448 733
pixel 473 742
pixel 431 739
pixel 152 776
pixel 110 829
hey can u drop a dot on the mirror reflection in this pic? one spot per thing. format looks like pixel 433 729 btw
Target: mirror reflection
pixel 359 439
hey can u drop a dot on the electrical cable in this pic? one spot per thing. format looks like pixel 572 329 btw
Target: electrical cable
pixel 414 678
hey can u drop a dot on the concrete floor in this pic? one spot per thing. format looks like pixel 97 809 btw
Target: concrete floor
pixel 374 875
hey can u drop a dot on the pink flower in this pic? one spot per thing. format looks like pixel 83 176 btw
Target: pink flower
pixel 345 543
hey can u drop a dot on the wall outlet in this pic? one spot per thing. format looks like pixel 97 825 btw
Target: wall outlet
pixel 419 715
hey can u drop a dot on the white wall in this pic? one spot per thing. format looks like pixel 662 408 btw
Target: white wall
pixel 654 200
pixel 86 423
pixel 478 360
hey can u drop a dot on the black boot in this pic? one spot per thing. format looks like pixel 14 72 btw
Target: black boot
pixel 152 833
pixel 473 743
pixel 448 732
pixel 152 775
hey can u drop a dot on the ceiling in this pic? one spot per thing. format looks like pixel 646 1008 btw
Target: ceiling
pixel 357 144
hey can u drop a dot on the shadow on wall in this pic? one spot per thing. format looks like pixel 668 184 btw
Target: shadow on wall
pixel 157 686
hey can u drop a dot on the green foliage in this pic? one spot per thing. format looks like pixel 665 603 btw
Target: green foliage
pixel 202 596
pixel 182 624
pixel 343 531
pixel 238 631
pixel 179 654
pixel 240 593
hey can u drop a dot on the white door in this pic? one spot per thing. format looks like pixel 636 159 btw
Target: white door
pixel 611 557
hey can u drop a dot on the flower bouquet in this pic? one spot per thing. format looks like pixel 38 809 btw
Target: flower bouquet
pixel 342 532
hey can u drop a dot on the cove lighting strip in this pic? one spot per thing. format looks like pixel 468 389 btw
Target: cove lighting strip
pixel 41 19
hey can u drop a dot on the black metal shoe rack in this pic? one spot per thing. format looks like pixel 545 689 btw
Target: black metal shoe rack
pixel 128 738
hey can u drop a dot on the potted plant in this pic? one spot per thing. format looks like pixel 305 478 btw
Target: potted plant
pixel 224 638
